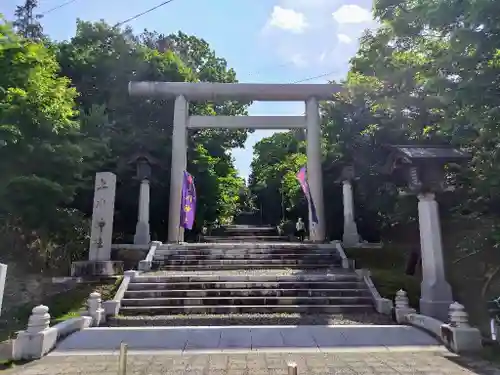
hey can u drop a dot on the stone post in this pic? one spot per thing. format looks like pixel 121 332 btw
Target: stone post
pixel 102 216
pixel 3 277
pixel 402 306
pixel 314 172
pixel 350 237
pixel 39 319
pixel 458 334
pixel 38 338
pixel 142 234
pixel 436 295
pixel 95 309
pixel 179 164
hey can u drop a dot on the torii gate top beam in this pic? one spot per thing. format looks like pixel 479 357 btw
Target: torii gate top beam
pixel 218 92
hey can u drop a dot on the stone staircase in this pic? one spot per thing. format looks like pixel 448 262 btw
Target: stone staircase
pixel 244 283
pixel 245 233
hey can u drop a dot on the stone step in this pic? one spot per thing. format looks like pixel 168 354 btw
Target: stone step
pixel 245 309
pixel 367 317
pixel 245 285
pixel 247 246
pixel 259 278
pixel 225 254
pixel 244 238
pixel 237 255
pixel 202 293
pixel 247 263
pixel 244 301
pixel 241 230
pixel 223 266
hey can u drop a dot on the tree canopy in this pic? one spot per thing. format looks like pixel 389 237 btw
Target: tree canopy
pixel 428 75
pixel 65 114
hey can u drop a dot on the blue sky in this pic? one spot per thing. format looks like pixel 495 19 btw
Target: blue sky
pixel 269 41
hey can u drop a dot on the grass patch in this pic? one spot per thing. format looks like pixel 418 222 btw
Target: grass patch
pixel 62 306
pixel 387 266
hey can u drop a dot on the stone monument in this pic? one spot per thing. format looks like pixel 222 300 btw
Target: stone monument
pixel 99 263
pixel 421 169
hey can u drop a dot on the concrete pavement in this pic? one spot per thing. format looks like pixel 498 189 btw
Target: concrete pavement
pixel 247 338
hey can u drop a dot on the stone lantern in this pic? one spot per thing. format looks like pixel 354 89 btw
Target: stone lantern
pixel 143 162
pixel 420 171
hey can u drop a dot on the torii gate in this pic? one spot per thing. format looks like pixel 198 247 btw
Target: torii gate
pixel 183 92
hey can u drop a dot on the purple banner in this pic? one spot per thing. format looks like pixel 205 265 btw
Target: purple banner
pixel 302 177
pixel 188 204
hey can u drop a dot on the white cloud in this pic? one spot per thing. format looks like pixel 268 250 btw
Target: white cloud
pixel 352 14
pixel 298 60
pixel 306 23
pixel 344 38
pixel 288 19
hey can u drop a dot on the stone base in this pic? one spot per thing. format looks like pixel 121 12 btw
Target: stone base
pixel 142 235
pixel 461 339
pixel 351 237
pixel 436 309
pixel 96 268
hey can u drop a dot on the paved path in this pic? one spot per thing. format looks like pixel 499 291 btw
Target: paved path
pixel 347 363
pixel 255 338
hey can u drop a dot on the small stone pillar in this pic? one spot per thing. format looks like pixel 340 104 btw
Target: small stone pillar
pixel 142 234
pixel 38 338
pixel 3 276
pixel 350 237
pixel 39 319
pixel 95 310
pixel 458 334
pixel 436 294
pixel 402 306
pixel 143 161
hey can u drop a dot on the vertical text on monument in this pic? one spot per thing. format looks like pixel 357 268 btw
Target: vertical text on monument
pixel 102 216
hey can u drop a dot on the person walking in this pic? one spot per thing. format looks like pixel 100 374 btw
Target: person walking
pixel 301 229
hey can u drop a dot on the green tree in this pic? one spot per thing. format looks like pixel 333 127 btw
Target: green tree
pixel 27 23
pixel 101 60
pixel 40 155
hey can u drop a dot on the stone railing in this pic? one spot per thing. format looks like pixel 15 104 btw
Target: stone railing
pixel 382 305
pixel 345 261
pixel 145 265
pixel 39 338
pixel 457 334
pixel 112 307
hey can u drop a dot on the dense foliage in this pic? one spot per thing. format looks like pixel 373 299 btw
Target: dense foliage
pixel 429 74
pixel 65 114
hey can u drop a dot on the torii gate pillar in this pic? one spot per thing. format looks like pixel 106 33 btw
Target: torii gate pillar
pixel 182 92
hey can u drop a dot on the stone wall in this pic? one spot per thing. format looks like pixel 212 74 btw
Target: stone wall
pixel 24 287
pixel 130 255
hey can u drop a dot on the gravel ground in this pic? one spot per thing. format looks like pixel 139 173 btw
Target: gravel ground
pixel 253 319
pixel 347 363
